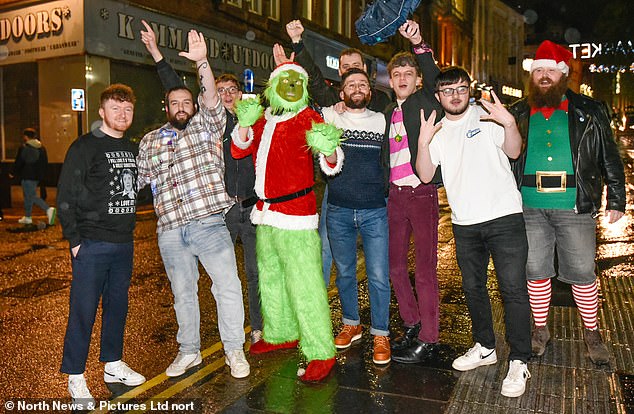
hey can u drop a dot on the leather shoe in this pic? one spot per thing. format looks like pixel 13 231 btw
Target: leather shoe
pixel 415 353
pixel 410 333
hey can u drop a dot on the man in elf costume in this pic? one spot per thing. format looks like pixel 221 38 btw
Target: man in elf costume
pixel 294 300
pixel 569 155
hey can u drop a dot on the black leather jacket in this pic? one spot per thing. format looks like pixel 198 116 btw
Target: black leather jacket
pixel 595 155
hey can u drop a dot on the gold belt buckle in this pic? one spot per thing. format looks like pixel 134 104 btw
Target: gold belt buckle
pixel 562 181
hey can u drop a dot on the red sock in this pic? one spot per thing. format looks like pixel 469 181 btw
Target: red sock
pixel 587 300
pixel 539 293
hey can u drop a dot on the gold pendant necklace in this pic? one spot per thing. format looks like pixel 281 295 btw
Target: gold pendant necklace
pixel 398 137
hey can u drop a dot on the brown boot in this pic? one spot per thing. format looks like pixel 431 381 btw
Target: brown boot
pixel 597 351
pixel 539 340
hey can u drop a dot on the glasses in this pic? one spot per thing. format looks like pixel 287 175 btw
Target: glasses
pixel 232 90
pixel 461 90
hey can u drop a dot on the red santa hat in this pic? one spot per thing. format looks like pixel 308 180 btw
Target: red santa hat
pixel 551 55
pixel 288 66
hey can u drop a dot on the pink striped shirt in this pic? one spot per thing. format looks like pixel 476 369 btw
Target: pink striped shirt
pixel 401 172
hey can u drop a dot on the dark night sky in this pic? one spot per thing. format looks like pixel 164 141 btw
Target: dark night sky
pixel 595 20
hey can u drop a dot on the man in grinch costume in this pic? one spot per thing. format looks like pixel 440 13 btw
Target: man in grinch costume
pixel 294 300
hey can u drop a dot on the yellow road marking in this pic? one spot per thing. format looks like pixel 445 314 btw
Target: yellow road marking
pixel 183 384
pixel 160 378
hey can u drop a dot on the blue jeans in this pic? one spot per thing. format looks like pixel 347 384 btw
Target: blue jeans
pixel 100 270
pixel 239 225
pixel 344 224
pixel 326 254
pixel 504 240
pixel 207 240
pixel 29 190
pixel 574 237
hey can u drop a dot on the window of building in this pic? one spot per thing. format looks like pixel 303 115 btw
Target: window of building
pixel 326 13
pixel 254 6
pixel 347 23
pixel 307 9
pixel 337 16
pixel 237 3
pixel 274 10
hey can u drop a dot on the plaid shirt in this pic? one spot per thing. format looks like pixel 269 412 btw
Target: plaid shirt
pixel 185 169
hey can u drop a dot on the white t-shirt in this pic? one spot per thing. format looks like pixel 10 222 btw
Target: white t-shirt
pixel 475 171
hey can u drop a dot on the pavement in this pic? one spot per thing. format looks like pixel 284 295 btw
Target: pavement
pixel 34 285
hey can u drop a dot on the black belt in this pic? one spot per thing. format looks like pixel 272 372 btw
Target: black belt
pixel 288 197
pixel 548 182
pixel 246 203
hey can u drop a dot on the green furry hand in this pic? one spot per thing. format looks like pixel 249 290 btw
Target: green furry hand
pixel 248 111
pixel 324 138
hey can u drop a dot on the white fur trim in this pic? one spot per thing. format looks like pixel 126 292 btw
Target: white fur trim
pixel 551 64
pixel 288 66
pixel 283 221
pixel 235 136
pixel 265 147
pixel 330 171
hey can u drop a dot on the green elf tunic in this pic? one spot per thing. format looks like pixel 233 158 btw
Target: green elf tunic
pixel 548 149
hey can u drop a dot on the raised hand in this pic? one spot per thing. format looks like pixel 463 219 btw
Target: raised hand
pixel 411 30
pixel 294 29
pixel 148 37
pixel 279 55
pixel 497 112
pixel 427 128
pixel 197 47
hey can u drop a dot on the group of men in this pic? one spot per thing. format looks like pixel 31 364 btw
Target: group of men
pixel 521 182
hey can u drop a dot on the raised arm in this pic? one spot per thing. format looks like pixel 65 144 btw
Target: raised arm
pixel 197 53
pixel 320 91
pixel 167 74
pixel 424 165
pixel 499 114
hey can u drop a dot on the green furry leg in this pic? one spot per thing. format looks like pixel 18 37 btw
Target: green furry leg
pixel 280 323
pixel 294 298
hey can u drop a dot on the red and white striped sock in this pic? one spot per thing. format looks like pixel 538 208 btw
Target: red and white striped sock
pixel 539 294
pixel 587 300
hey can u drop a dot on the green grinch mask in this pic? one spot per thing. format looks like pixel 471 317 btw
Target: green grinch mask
pixel 287 92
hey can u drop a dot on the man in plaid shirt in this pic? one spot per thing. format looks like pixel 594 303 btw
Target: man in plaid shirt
pixel 183 163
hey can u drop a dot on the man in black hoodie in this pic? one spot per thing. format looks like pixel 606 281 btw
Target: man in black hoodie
pixel 30 165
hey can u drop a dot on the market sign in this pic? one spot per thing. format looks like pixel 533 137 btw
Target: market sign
pixel 622 48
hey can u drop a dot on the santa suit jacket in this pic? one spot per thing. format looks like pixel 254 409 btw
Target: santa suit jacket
pixel 283 165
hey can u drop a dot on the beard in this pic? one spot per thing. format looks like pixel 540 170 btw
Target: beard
pixel 549 98
pixel 179 123
pixel 457 110
pixel 356 103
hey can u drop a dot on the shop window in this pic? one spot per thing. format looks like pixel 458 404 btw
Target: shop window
pixel 254 6
pixel 307 9
pixel 274 10
pixel 20 104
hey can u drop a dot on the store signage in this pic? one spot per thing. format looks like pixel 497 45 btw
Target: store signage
pixel 113 30
pixel 592 50
pixel 41 31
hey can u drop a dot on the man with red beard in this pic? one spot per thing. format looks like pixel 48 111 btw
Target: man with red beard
pixel 569 153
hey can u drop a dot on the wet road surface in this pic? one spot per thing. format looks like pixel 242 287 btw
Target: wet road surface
pixel 34 285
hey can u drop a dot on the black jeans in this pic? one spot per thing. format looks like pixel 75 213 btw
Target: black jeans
pixel 503 239
pixel 239 225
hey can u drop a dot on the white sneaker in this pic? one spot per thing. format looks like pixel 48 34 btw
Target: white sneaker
pixel 256 336
pixel 475 357
pixel 51 213
pixel 182 363
pixel 79 393
pixel 238 363
pixel 25 220
pixel 119 371
pixel 514 384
